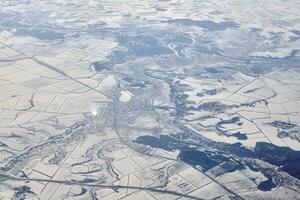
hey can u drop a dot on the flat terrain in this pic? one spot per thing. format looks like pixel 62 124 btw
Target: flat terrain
pixel 151 100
